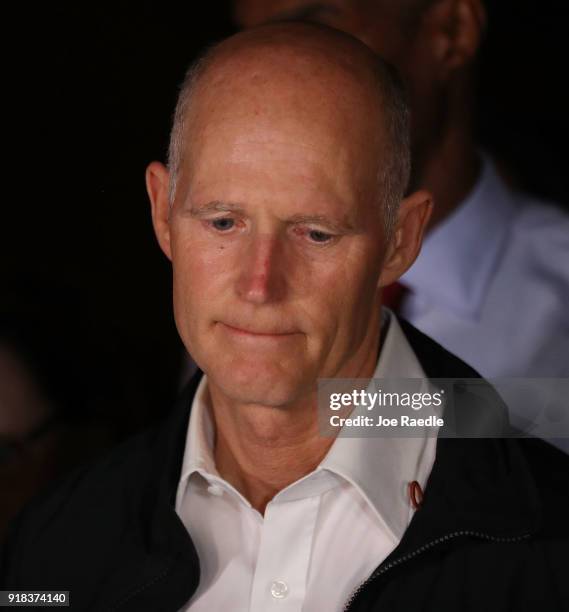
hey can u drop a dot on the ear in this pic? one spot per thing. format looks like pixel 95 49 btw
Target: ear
pixel 157 183
pixel 407 237
pixel 456 30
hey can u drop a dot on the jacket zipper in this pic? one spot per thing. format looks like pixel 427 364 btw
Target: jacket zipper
pixel 384 568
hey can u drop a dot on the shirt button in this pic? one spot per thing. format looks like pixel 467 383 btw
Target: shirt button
pixel 279 589
pixel 215 489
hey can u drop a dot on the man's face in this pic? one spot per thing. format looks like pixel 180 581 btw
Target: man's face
pixel 276 240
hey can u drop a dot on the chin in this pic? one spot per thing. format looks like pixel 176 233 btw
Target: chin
pixel 258 382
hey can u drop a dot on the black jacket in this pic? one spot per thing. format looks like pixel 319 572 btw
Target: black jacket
pixel 491 534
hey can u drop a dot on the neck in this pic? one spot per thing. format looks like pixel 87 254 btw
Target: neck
pixel 261 450
pixel 450 175
pixel 450 167
pixel 272 449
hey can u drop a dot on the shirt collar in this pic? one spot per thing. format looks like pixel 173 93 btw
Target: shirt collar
pixel 459 256
pixel 379 468
pixel 198 455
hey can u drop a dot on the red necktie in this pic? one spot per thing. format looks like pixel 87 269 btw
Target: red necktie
pixel 393 295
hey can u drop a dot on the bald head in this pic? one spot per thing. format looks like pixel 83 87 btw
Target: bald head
pixel 304 79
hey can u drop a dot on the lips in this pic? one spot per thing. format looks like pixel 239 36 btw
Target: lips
pixel 249 331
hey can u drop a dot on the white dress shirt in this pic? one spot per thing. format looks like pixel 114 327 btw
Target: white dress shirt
pixel 321 536
pixel 491 285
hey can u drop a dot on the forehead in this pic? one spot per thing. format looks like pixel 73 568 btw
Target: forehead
pixel 280 176
pixel 284 124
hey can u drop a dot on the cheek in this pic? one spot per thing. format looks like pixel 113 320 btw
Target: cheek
pixel 200 274
pixel 344 298
pixel 353 306
pixel 199 264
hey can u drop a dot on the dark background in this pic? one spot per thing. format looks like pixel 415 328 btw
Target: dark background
pixel 95 83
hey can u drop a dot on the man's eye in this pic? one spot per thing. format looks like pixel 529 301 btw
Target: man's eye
pixel 223 224
pixel 318 236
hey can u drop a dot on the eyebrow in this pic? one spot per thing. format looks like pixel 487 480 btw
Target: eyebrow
pixel 215 206
pixel 218 206
pixel 342 226
pixel 305 13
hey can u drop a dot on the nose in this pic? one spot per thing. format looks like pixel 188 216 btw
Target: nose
pixel 262 277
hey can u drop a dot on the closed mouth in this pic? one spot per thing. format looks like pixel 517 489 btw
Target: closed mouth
pixel 263 333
